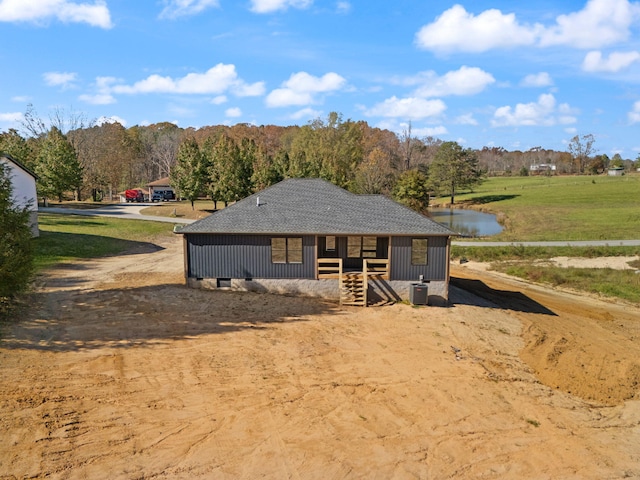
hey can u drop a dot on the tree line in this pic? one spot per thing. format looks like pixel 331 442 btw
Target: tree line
pixel 73 156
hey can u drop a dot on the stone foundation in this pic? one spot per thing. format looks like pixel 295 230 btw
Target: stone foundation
pixel 380 291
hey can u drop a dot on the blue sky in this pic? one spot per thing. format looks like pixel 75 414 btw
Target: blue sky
pixel 484 73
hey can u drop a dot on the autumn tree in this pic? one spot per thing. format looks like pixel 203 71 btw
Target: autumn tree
pixel 454 169
pixel 108 158
pixel 374 175
pixel 581 149
pixel 160 144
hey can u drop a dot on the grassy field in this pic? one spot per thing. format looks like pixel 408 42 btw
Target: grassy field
pixel 69 237
pixel 560 208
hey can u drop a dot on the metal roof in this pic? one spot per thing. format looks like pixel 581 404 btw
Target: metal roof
pixel 313 206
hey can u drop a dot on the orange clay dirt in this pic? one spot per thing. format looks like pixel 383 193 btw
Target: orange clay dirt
pixel 116 370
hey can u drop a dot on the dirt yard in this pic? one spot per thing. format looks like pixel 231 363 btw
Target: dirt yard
pixel 116 370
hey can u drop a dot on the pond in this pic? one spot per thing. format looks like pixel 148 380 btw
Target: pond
pixel 467 222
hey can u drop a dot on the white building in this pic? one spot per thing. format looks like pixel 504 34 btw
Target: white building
pixel 23 182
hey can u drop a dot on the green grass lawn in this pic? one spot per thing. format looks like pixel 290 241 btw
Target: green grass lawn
pixel 69 237
pixel 560 208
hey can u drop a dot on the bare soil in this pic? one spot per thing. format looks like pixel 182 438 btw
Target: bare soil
pixel 116 370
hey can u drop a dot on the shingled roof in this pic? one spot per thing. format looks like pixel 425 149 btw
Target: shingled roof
pixel 314 206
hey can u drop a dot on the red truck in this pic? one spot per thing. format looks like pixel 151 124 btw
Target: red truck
pixel 134 196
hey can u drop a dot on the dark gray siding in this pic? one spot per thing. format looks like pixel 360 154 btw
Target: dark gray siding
pixel 244 256
pixel 401 268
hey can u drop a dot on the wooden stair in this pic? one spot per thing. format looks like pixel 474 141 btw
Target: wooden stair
pixel 353 289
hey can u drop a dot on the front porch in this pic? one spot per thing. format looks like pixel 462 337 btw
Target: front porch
pixel 353 284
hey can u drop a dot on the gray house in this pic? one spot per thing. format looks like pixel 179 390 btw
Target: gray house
pixel 310 237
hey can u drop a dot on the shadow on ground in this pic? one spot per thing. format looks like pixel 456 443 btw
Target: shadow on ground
pixel 145 316
pixel 489 199
pixel 504 299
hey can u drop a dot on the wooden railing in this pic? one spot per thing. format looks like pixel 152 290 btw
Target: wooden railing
pixel 376 266
pixel 329 268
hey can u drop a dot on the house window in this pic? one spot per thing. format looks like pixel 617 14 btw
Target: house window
pixel 353 247
pixel 330 243
pixel 286 250
pixel 369 247
pixel 419 251
pixel 362 247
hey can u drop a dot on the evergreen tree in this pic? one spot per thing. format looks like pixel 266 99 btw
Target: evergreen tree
pixel 265 171
pixel 411 190
pixel 189 173
pixel 229 174
pixel 16 258
pixel 58 167
pixel 11 142
pixel 453 169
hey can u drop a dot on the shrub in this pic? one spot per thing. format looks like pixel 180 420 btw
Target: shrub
pixel 16 256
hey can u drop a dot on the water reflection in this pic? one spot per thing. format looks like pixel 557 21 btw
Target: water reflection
pixel 466 222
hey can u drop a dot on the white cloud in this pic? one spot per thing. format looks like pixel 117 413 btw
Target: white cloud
pixel 466 119
pixel 21 98
pixel 60 79
pixel 634 114
pixel 544 112
pixel 103 97
pixel 97 99
pixel 249 90
pixel 595 62
pixel 305 113
pixel 183 8
pixel 112 119
pixel 39 11
pixel 542 79
pixel 219 100
pixel 11 117
pixel 407 108
pixel 457 29
pixel 216 80
pixel 284 97
pixel 302 89
pixel 270 6
pixel 599 23
pixel 429 131
pixel 464 81
pixel 343 7
pixel 303 82
pixel 233 112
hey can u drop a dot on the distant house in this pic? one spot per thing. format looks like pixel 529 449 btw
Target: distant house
pixel 615 171
pixel 163 187
pixel 542 168
pixel 23 181
pixel 310 237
